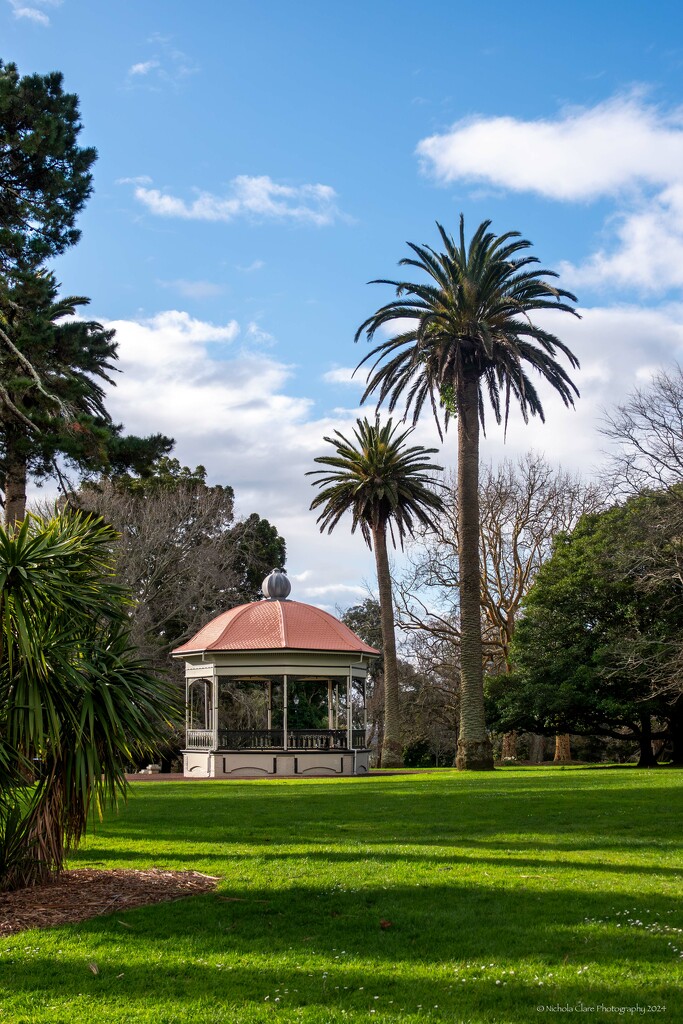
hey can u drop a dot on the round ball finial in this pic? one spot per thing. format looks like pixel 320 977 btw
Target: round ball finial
pixel 276 587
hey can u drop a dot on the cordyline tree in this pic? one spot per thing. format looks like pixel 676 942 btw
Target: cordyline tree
pixel 74 695
pixel 45 176
pixel 385 486
pixel 464 335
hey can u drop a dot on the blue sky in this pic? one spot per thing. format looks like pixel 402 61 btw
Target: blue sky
pixel 258 164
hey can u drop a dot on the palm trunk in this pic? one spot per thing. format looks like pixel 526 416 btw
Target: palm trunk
pixel 392 748
pixel 474 746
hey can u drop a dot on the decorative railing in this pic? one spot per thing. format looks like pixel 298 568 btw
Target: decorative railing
pixel 249 739
pixel 266 739
pixel 199 739
pixel 317 739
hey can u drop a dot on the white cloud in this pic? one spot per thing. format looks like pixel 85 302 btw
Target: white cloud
pixel 143 68
pixel 647 251
pixel 582 154
pixel 167 66
pixel 31 14
pixel 259 197
pixel 345 375
pixel 257 335
pixel 624 148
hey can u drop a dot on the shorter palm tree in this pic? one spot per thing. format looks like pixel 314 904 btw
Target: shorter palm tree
pixel 382 483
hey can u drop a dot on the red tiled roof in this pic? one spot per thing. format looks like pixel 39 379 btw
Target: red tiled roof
pixel 275 625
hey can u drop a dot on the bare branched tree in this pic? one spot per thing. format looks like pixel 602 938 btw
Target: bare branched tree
pixel 183 556
pixel 523 506
pixel 647 435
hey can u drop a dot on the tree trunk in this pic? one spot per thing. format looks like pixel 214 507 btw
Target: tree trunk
pixel 536 749
pixel 474 746
pixel 15 483
pixel 509 746
pixel 563 750
pixel 676 733
pixel 392 748
pixel 647 758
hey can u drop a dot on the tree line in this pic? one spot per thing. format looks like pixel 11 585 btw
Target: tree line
pixel 580 603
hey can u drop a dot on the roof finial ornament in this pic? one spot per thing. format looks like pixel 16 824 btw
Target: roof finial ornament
pixel 276 587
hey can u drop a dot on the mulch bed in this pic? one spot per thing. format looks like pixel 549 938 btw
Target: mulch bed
pixel 81 894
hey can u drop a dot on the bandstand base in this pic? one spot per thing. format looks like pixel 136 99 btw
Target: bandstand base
pixel 231 764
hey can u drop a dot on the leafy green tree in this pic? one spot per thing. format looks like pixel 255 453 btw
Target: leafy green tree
pixel 45 176
pixel 385 486
pixel 258 548
pixel 74 696
pixel 465 333
pixel 592 636
pixel 52 371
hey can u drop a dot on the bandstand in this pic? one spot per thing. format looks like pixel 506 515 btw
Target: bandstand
pixel 275 687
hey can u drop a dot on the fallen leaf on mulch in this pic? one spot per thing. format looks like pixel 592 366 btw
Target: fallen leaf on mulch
pixel 80 894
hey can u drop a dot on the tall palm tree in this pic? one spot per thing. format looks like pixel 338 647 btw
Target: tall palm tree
pixel 466 333
pixel 383 484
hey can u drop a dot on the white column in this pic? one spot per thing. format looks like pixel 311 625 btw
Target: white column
pixel 365 711
pixel 214 710
pixel 330 708
pixel 349 709
pixel 284 710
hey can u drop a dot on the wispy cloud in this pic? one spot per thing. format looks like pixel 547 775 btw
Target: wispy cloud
pixel 259 198
pixel 251 267
pixel 167 65
pixel 141 179
pixel 33 11
pixel 194 289
pixel 257 335
pixel 143 68
pixel 625 149
pixel 345 375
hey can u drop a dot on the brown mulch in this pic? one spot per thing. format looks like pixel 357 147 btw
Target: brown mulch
pixel 80 894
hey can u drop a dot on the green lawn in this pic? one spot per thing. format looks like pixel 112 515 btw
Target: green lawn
pixel 499 893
